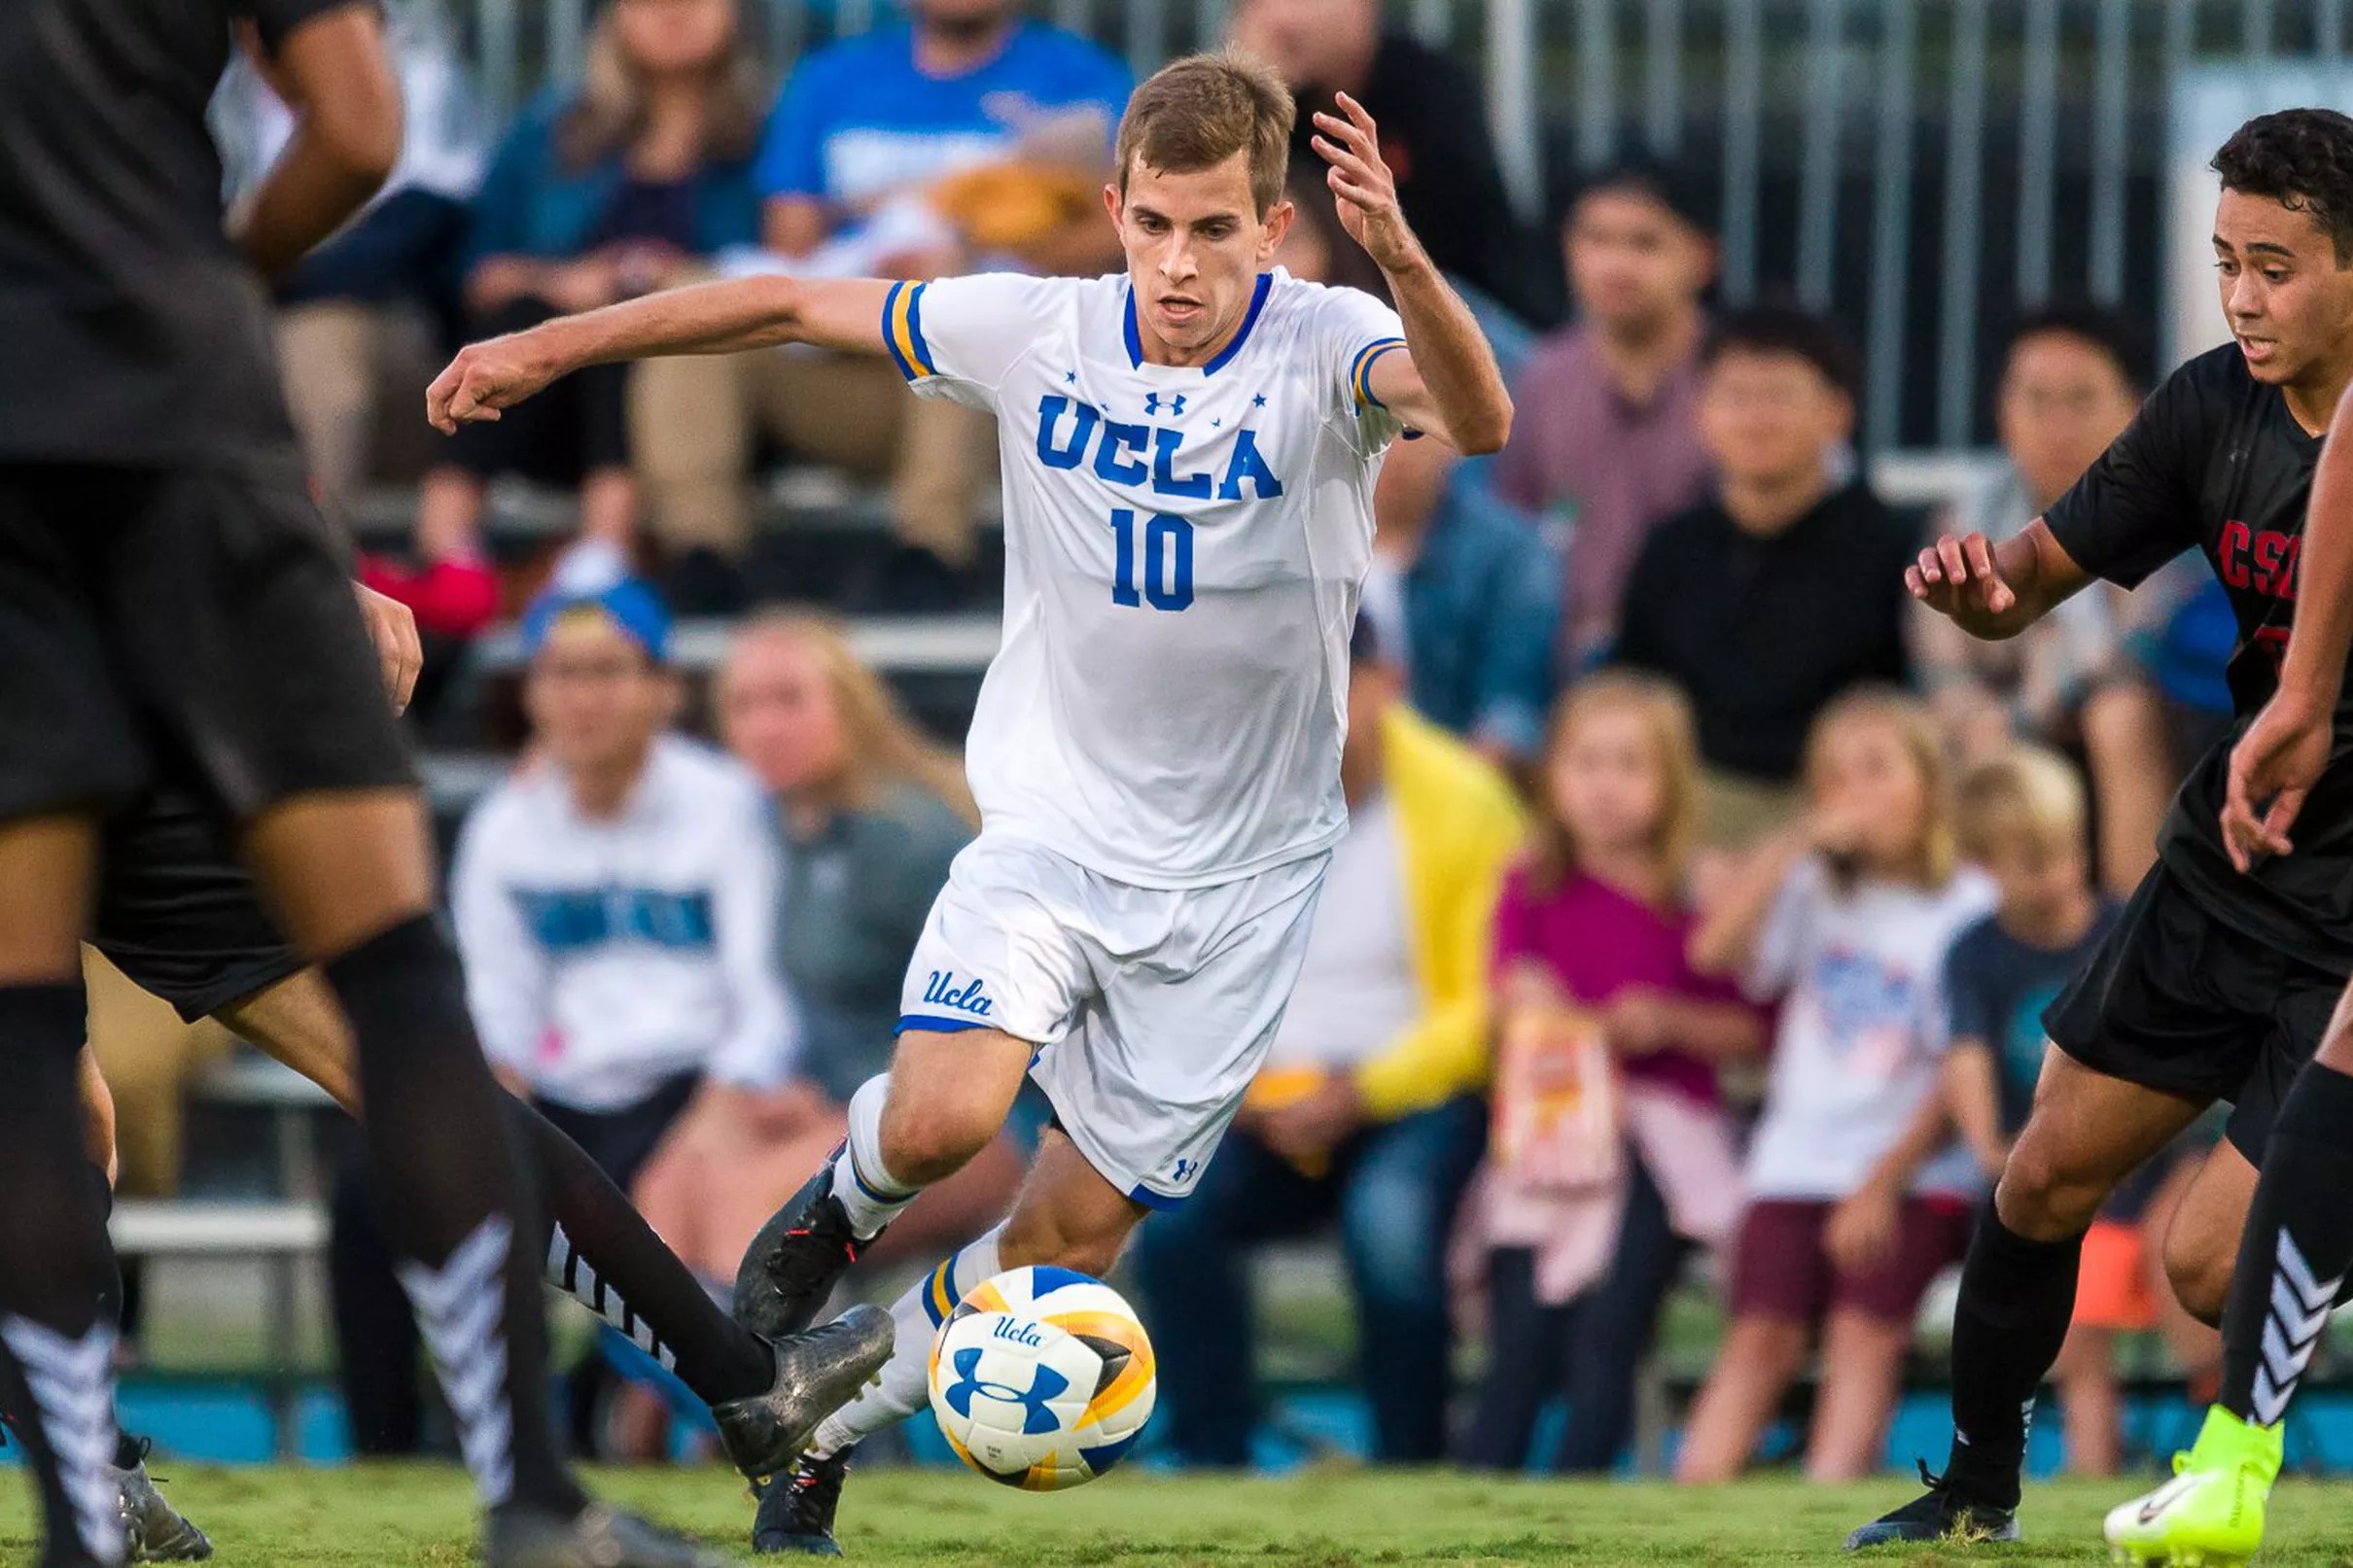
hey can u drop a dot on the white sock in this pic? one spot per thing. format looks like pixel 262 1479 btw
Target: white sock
pixel 917 1315
pixel 869 1194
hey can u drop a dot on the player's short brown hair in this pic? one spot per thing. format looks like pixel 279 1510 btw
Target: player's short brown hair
pixel 1195 113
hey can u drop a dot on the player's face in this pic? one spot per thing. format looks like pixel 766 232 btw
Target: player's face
pixel 594 700
pixel 1769 417
pixel 2036 880
pixel 778 712
pixel 674 36
pixel 1195 245
pixel 1867 777
pixel 1606 782
pixel 1633 263
pixel 2063 401
pixel 2287 298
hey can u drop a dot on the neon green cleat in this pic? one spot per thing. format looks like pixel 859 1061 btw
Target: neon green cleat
pixel 2211 1514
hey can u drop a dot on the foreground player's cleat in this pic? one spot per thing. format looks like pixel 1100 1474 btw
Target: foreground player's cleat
pixel 816 1373
pixel 1940 1514
pixel 797 1510
pixel 2211 1514
pixel 795 1261
pixel 152 1530
pixel 601 1537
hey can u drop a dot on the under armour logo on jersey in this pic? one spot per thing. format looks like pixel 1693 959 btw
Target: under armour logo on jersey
pixel 1176 405
pixel 1036 1400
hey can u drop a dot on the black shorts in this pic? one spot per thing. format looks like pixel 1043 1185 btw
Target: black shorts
pixel 183 628
pixel 2175 999
pixel 178 915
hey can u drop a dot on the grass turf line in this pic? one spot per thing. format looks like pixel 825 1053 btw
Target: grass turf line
pixel 378 1514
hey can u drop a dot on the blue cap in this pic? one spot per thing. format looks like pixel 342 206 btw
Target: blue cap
pixel 629 605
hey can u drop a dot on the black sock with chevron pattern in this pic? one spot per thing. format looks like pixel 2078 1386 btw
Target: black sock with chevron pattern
pixel 2297 1247
pixel 458 1205
pixel 57 1349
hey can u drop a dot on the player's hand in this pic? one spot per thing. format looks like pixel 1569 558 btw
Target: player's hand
pixel 392 627
pixel 1862 1228
pixel 2274 766
pixel 1956 577
pixel 1367 190
pixel 487 377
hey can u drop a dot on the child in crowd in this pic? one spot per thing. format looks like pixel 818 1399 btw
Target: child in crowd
pixel 1857 1195
pixel 1589 939
pixel 2022 818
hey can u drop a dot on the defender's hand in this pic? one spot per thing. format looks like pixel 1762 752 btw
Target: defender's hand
pixel 2276 762
pixel 1956 577
pixel 487 377
pixel 392 627
pixel 1366 188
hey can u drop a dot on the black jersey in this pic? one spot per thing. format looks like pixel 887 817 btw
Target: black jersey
pixel 2215 461
pixel 130 330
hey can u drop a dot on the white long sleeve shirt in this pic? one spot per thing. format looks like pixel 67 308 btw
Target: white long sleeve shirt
pixel 605 956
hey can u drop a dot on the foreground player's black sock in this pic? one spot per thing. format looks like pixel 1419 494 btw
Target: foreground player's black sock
pixel 129 1453
pixel 457 1204
pixel 2295 1251
pixel 2017 1297
pixel 602 1253
pixel 56 1350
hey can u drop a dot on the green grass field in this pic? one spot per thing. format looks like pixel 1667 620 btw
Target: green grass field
pixel 278 1519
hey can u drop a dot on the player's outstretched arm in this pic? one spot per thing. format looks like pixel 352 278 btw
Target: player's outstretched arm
pixel 707 318
pixel 1995 591
pixel 2276 763
pixel 1447 380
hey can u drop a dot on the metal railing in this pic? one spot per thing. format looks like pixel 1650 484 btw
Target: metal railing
pixel 1925 169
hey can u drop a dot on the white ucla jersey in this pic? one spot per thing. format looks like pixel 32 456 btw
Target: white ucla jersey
pixel 1183 549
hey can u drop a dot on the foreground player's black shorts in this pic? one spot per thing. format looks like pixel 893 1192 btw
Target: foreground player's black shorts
pixel 2175 999
pixel 178 915
pixel 180 627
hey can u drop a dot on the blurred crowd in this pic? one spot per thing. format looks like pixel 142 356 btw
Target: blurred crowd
pixel 1702 894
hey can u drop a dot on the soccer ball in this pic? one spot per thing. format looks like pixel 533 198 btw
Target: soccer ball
pixel 1043 1378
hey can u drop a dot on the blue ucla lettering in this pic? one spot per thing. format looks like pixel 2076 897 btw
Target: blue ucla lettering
pixel 941 990
pixel 1109 456
pixel 1082 427
pixel 1247 464
pixel 1019 1332
pixel 1165 481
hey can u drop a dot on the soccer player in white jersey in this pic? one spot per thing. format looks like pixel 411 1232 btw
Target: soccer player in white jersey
pixel 1188 455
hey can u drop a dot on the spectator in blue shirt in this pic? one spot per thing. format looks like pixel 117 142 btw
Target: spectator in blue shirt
pixel 964 136
pixel 597 195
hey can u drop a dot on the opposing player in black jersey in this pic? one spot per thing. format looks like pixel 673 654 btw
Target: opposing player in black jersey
pixel 2213 984
pixel 173 609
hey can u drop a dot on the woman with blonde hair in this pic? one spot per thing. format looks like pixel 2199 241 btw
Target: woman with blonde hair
pixel 869 811
pixel 625 185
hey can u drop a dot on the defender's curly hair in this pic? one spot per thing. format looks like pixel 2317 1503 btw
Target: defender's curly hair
pixel 2302 158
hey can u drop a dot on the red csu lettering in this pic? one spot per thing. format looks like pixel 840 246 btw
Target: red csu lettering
pixel 2264 561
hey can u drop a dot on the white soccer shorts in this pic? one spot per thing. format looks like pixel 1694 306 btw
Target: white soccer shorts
pixel 1151 1008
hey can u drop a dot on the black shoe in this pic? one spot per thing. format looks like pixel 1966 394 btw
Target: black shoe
pixel 797 1510
pixel 816 1373
pixel 599 1537
pixel 152 1530
pixel 1941 1514
pixel 795 1261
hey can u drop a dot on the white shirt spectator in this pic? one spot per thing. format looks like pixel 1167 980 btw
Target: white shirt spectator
pixel 604 957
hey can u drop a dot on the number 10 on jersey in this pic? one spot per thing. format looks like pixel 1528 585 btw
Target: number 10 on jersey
pixel 1167 557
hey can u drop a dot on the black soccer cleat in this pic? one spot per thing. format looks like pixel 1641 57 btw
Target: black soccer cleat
pixel 1939 1515
pixel 797 1510
pixel 816 1373
pixel 152 1530
pixel 795 1261
pixel 598 1536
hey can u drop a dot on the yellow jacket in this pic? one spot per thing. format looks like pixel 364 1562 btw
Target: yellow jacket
pixel 1461 828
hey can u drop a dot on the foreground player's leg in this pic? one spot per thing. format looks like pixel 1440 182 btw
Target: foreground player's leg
pixel 2293 1259
pixel 1067 1215
pixel 56 1345
pixel 2086 1132
pixel 600 1251
pixel 944 1099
